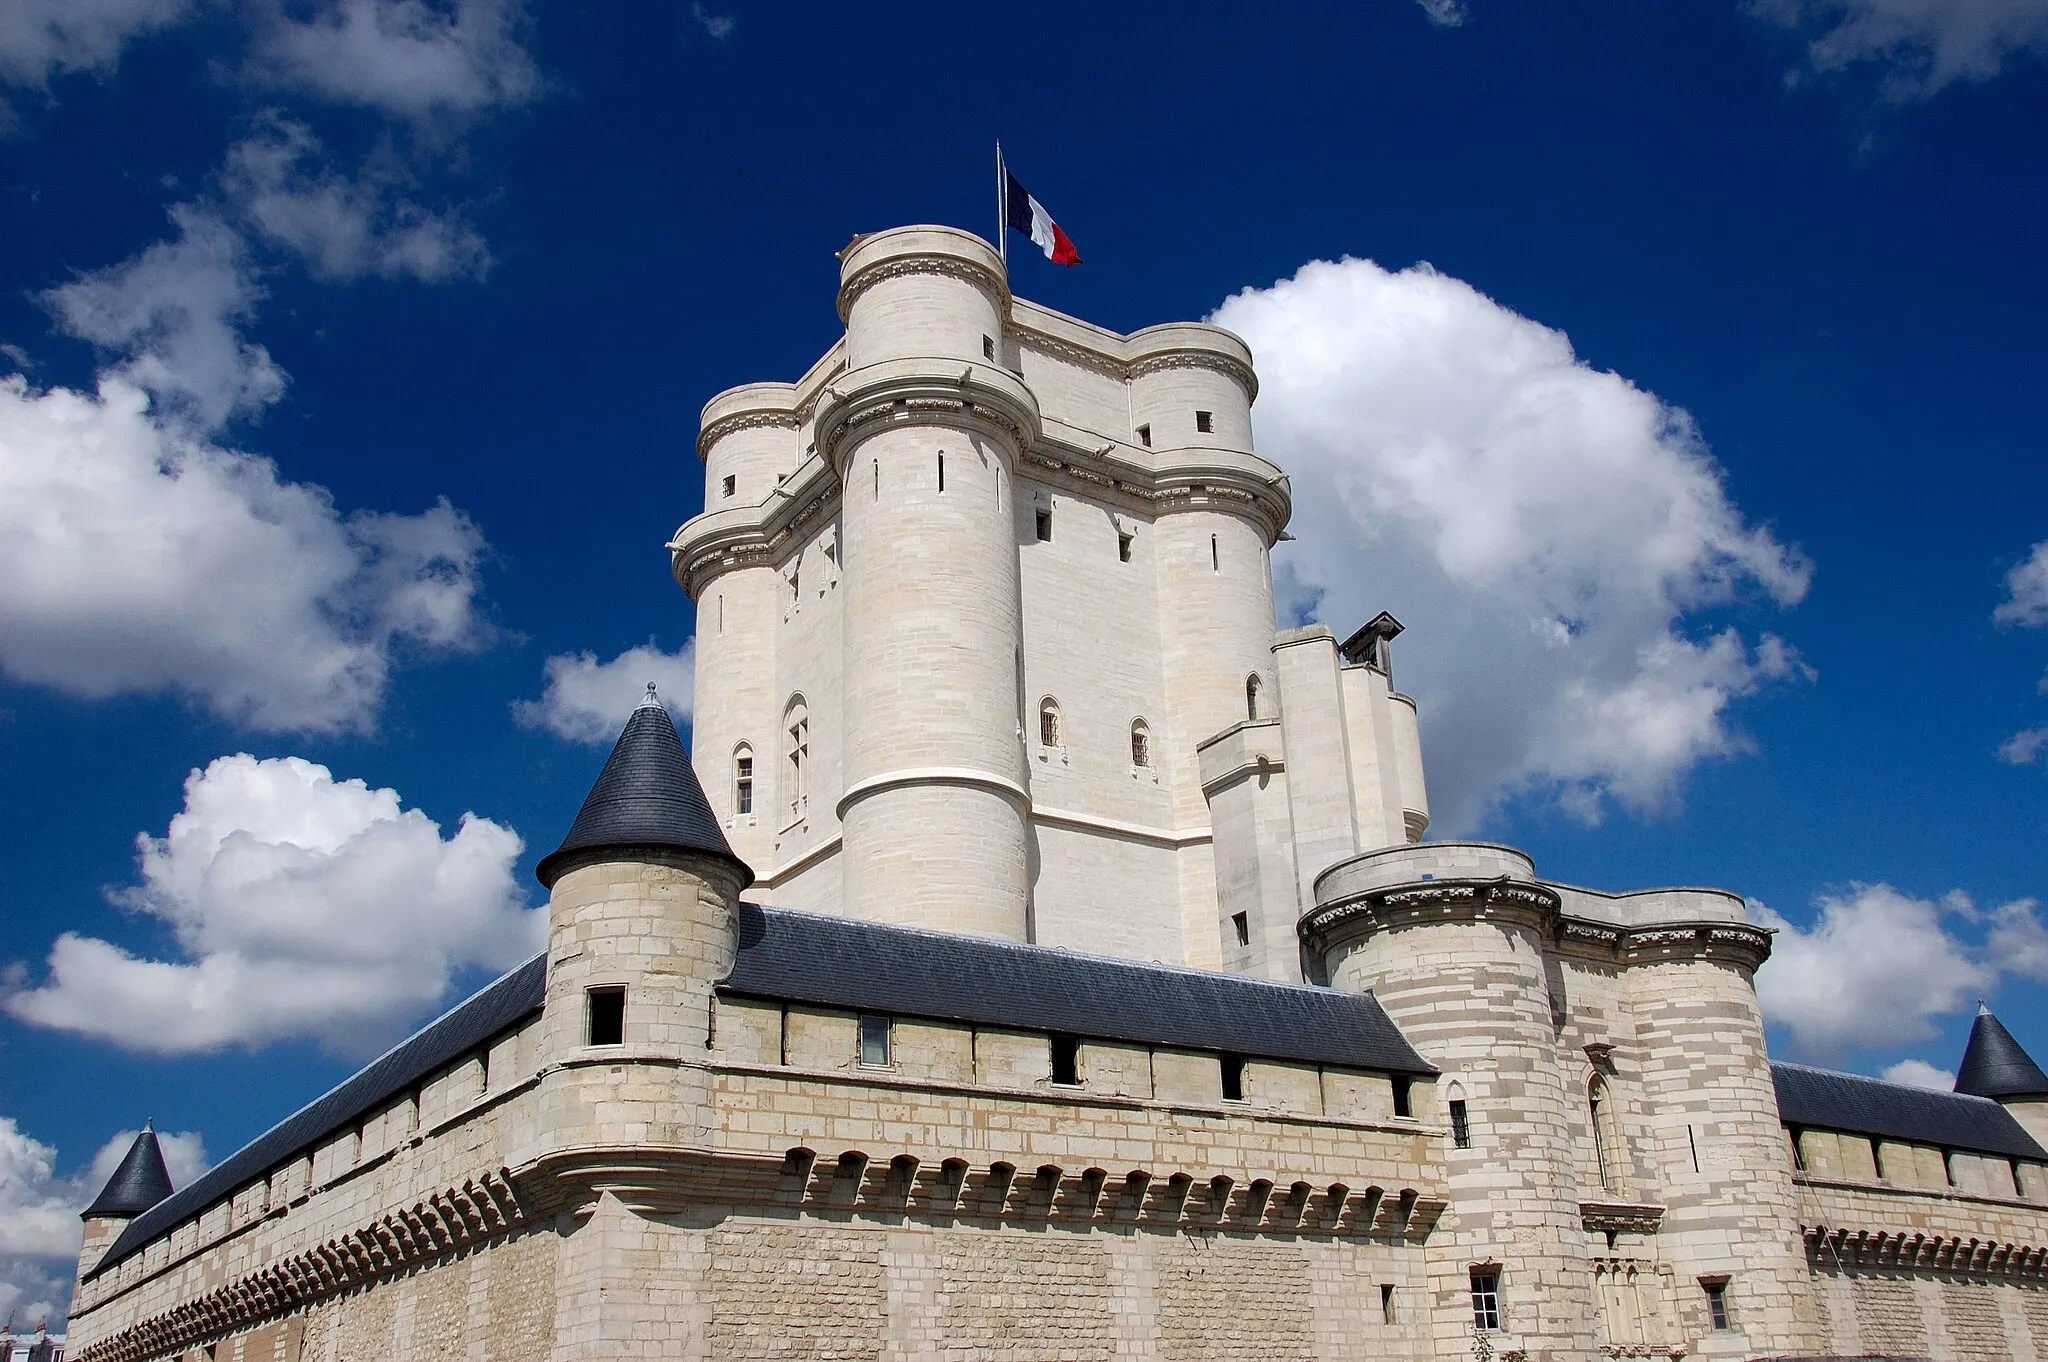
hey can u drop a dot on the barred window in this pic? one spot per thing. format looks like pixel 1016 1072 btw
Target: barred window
pixel 1141 744
pixel 1048 722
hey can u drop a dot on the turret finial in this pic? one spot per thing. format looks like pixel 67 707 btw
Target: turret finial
pixel 652 701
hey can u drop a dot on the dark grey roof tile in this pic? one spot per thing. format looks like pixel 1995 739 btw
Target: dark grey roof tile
pixel 138 1184
pixel 1824 1100
pixel 1994 1065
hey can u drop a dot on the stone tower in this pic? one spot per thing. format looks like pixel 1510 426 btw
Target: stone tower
pixel 140 1182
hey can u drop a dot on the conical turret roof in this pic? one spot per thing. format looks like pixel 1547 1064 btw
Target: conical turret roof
pixel 138 1184
pixel 646 797
pixel 1994 1065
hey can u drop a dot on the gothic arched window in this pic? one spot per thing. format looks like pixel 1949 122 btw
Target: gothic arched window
pixel 1048 722
pixel 1141 743
pixel 796 733
pixel 1251 696
pixel 743 779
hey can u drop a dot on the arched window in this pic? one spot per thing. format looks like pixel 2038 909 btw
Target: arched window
pixel 1048 722
pixel 1461 1115
pixel 796 729
pixel 743 780
pixel 1607 1152
pixel 1141 743
pixel 1251 696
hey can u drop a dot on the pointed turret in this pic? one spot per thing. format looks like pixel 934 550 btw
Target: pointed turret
pixel 1994 1065
pixel 646 798
pixel 138 1184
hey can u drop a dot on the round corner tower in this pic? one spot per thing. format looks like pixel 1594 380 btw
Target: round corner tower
pixel 925 430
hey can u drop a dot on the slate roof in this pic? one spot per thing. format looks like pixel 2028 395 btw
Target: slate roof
pixel 466 1029
pixel 138 1184
pixel 1994 1065
pixel 1824 1100
pixel 646 796
pixel 869 966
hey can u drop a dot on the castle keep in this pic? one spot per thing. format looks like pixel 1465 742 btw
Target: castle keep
pixel 1038 956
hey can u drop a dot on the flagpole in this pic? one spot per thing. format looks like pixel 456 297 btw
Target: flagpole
pixel 1002 208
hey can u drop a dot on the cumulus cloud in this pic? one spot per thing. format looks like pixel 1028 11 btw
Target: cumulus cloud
pixel 409 58
pixel 718 26
pixel 2026 606
pixel 1876 966
pixel 1546 528
pixel 44 38
pixel 1916 46
pixel 39 1226
pixel 1918 1073
pixel 173 313
pixel 343 226
pixel 302 905
pixel 2024 748
pixel 1444 13
pixel 586 700
pixel 139 558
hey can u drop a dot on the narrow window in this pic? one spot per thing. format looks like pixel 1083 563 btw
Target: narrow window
pixel 607 1015
pixel 1717 1305
pixel 1596 1104
pixel 1876 1160
pixel 1241 923
pixel 1215 556
pixel 1205 422
pixel 1145 436
pixel 1798 1154
pixel 1486 1300
pixel 942 470
pixel 1948 1166
pixel 2019 1188
pixel 1141 744
pixel 988 347
pixel 1251 697
pixel 874 1040
pixel 1461 1124
pixel 1404 1096
pixel 796 726
pixel 731 484
pixel 877 466
pixel 721 613
pixel 1048 722
pixel 1233 1077
pixel 1066 1061
pixel 1387 1313
pixel 1123 547
pixel 1042 522
pixel 743 780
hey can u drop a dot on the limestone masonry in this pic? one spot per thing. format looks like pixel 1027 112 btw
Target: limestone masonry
pixel 1037 956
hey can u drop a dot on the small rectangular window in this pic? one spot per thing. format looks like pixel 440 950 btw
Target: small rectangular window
pixel 1145 436
pixel 942 470
pixel 1241 924
pixel 1461 1126
pixel 1404 1104
pixel 1717 1305
pixel 1066 1061
pixel 1123 548
pixel 731 484
pixel 1042 522
pixel 1486 1300
pixel 988 347
pixel 1233 1077
pixel 607 1013
pixel 1215 555
pixel 875 1037
pixel 743 785
pixel 1387 1312
pixel 1205 422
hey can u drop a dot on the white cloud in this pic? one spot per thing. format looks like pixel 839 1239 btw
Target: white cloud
pixel 1918 1073
pixel 718 26
pixel 141 559
pixel 1444 13
pixel 303 906
pixel 589 701
pixel 1543 527
pixel 2026 592
pixel 43 38
pixel 173 311
pixel 2024 747
pixel 343 227
pixel 1875 967
pixel 1918 46
pixel 39 1226
pixel 410 58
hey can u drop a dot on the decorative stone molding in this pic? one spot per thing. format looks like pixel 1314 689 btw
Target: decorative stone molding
pixel 482 1209
pixel 1917 1250
pixel 903 267
pixel 739 421
pixel 1201 359
pixel 1620 1217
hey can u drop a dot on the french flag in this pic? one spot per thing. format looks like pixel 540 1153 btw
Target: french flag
pixel 1028 216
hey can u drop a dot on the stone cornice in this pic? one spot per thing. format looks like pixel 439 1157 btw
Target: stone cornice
pixel 1622 1217
pixel 482 1209
pixel 1910 1249
pixel 1537 907
pixel 743 420
pixel 1124 370
pixel 904 266
pixel 1226 365
pixel 752 536
pixel 927 391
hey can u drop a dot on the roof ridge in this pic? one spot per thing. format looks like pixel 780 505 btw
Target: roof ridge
pixel 1006 943
pixel 1871 1078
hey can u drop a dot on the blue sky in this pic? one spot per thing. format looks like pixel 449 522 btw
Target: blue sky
pixel 1700 458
